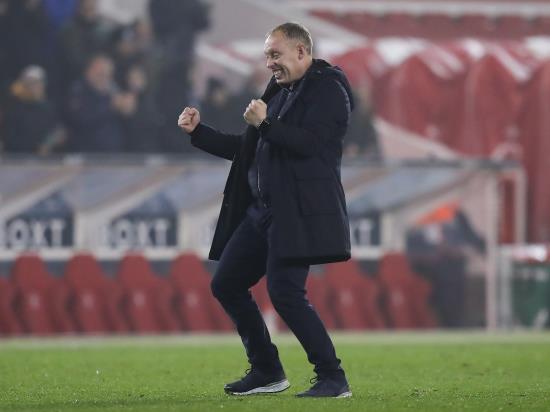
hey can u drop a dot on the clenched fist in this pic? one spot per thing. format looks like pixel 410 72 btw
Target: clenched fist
pixel 189 119
pixel 255 112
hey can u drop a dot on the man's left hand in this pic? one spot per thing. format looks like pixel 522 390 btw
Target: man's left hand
pixel 255 112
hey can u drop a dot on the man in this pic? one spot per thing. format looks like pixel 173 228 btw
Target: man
pixel 284 208
pixel 176 25
pixel 31 124
pixel 85 35
pixel 95 108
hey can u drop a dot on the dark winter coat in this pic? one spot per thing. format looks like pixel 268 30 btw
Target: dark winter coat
pixel 95 126
pixel 28 125
pixel 310 221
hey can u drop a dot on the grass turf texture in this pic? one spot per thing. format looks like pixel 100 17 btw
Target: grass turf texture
pixel 387 372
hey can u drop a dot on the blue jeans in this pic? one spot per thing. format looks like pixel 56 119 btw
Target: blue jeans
pixel 245 259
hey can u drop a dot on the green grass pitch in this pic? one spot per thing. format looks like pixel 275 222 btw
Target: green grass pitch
pixel 387 372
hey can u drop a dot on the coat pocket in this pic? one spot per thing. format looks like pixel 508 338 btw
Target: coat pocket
pixel 317 197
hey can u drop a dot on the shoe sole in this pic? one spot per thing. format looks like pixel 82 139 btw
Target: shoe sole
pixel 341 396
pixel 271 388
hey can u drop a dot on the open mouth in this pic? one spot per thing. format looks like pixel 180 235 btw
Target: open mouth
pixel 277 73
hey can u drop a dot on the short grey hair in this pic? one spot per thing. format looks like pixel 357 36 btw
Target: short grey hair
pixel 295 31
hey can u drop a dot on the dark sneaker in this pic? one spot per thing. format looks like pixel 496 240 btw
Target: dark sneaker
pixel 256 381
pixel 326 387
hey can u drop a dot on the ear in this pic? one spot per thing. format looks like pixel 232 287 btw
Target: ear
pixel 301 51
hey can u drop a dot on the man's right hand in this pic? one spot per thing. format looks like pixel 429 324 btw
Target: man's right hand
pixel 189 119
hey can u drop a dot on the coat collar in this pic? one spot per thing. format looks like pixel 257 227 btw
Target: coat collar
pixel 252 134
pixel 273 88
pixel 292 95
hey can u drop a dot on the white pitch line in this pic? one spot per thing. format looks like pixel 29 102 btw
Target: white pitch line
pixel 354 338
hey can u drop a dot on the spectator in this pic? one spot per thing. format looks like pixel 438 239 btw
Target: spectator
pixel 31 124
pixel 27 36
pixel 362 139
pixel 439 247
pixel 4 52
pixel 253 87
pixel 95 107
pixel 175 25
pixel 86 35
pixel 132 45
pixel 218 105
pixel 60 11
pixel 142 123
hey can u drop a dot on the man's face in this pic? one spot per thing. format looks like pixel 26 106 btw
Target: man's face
pixel 100 74
pixel 285 58
pixel 36 88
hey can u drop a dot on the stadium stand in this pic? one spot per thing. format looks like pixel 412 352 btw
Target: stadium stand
pixel 469 77
pixel 9 324
pixel 436 25
pixel 478 98
pixel 354 297
pixel 88 301
pixel 41 300
pixel 405 294
pixel 148 298
pixel 533 124
pixel 195 305
pixel 95 299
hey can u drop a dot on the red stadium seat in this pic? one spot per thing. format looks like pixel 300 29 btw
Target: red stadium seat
pixel 438 26
pixel 394 277
pixel 399 24
pixel 41 300
pixel 355 298
pixel 513 26
pixel 148 299
pixel 9 325
pixel 196 307
pixel 114 296
pixel 406 294
pixel 477 25
pixel 541 25
pixel 96 300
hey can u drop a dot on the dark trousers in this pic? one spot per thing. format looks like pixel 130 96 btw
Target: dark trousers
pixel 246 258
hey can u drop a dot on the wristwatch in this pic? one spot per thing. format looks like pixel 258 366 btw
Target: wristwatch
pixel 263 127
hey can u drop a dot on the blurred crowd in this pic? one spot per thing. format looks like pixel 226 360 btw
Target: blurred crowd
pixel 73 80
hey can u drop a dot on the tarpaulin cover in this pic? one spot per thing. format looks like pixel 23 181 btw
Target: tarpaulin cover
pixel 479 98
